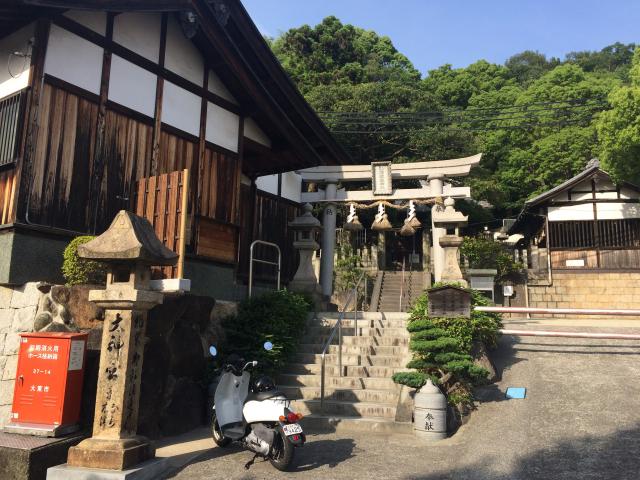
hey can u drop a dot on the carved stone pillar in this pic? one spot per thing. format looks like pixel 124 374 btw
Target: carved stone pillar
pixel 129 247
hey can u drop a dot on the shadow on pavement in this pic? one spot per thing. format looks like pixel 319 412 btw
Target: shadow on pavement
pixel 503 358
pixel 324 452
pixel 590 457
pixel 211 454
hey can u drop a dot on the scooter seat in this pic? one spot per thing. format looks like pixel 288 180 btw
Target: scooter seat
pixel 260 396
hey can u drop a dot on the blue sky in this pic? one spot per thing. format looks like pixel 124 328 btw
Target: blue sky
pixel 434 32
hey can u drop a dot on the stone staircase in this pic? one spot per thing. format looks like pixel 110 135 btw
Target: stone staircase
pixel 392 286
pixel 365 398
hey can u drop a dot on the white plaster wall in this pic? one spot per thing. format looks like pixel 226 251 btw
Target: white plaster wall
pixel 139 32
pixel 581 196
pixel 19 66
pixel 627 193
pixel 182 57
pixel 291 185
pixel 216 86
pixel 615 211
pixel 74 60
pixel 181 109
pixel 132 86
pixel 255 133
pixel 96 21
pixel 268 183
pixel 607 195
pixel 571 212
pixel 223 127
pixel 582 187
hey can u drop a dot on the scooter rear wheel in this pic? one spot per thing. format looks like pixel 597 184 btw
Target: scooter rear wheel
pixel 219 439
pixel 282 451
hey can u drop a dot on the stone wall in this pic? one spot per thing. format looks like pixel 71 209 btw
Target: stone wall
pixel 588 290
pixel 179 332
pixel 17 314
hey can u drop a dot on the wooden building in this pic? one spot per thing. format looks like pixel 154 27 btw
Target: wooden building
pixel 141 104
pixel 586 223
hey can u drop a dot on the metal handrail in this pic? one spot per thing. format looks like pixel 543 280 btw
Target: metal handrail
pixel 401 287
pixel 251 260
pixel 338 327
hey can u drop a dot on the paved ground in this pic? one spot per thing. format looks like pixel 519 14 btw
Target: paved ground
pixel 580 420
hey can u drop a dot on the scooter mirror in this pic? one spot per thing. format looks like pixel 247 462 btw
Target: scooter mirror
pixel 268 346
pixel 213 351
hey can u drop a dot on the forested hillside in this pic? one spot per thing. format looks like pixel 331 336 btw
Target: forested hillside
pixel 538 120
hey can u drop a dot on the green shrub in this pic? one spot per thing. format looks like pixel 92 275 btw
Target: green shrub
pixel 482 252
pixel 278 317
pixel 411 379
pixel 442 348
pixel 78 270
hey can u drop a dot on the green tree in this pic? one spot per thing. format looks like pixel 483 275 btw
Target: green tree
pixel 529 65
pixel 619 129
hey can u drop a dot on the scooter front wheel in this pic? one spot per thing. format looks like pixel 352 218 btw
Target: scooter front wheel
pixel 219 439
pixel 282 451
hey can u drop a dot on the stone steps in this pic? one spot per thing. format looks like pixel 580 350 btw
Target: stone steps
pixel 292 380
pixel 387 397
pixel 393 287
pixel 364 323
pixel 386 340
pixel 354 360
pixel 349 409
pixel 341 423
pixel 348 370
pixel 355 349
pixel 366 397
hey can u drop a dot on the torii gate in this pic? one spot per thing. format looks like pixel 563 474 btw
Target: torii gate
pixel 381 175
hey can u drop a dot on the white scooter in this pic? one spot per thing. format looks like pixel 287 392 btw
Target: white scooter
pixel 255 414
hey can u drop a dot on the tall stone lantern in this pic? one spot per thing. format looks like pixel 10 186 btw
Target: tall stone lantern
pixel 129 247
pixel 305 228
pixel 450 220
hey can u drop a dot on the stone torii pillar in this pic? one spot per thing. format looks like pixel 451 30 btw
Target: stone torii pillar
pixel 436 186
pixel 328 241
pixel 129 247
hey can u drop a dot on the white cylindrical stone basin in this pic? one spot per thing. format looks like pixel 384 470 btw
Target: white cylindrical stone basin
pixel 430 413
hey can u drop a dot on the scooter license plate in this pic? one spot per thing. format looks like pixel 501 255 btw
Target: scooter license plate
pixel 292 429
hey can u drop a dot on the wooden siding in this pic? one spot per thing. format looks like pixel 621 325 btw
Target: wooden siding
pixel 609 259
pixel 217 241
pixel 62 161
pixel 161 199
pixel 271 224
pixel 127 153
pixel 68 190
pixel 218 174
pixel 7 195
pixel 12 109
pixel 215 225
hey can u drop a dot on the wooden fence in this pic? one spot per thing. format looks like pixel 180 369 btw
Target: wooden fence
pixel 163 200
pixel 7 195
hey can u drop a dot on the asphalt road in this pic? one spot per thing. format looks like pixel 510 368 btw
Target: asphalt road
pixel 580 420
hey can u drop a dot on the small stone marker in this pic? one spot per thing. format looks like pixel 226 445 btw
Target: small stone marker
pixel 516 393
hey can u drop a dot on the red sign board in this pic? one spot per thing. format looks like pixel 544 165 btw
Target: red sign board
pixel 48 388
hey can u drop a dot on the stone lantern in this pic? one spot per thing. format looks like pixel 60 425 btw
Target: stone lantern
pixel 305 228
pixel 129 247
pixel 450 220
